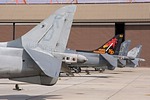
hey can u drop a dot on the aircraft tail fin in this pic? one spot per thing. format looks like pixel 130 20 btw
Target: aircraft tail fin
pixel 135 52
pixel 45 42
pixel 48 38
pixel 112 46
pixel 52 33
pixel 123 52
pixel 124 48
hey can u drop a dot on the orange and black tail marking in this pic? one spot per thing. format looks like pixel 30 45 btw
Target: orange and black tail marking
pixel 112 46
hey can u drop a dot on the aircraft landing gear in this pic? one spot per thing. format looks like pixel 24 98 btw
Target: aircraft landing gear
pixel 101 70
pixel 87 72
pixel 17 87
pixel 77 69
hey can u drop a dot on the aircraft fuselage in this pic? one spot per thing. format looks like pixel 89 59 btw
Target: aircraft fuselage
pixel 15 62
pixel 94 60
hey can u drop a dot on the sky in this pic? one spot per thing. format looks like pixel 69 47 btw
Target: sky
pixel 79 1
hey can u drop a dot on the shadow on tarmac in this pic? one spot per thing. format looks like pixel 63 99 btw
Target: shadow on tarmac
pixel 96 76
pixel 114 73
pixel 126 71
pixel 90 76
pixel 27 97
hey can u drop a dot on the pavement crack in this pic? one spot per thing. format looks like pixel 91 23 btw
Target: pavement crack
pixel 124 87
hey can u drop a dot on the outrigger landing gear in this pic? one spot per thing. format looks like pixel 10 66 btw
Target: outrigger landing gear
pixel 101 70
pixel 87 72
pixel 17 87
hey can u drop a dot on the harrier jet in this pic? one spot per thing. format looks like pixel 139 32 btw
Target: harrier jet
pixel 99 57
pixel 110 55
pixel 36 57
pixel 129 58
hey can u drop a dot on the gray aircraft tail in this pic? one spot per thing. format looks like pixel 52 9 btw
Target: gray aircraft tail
pixel 131 58
pixel 134 53
pixel 123 52
pixel 124 48
pixel 47 39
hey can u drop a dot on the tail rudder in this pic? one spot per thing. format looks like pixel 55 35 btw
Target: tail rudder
pixel 124 48
pixel 112 46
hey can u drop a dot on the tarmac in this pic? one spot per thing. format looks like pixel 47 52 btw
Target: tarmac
pixel 120 84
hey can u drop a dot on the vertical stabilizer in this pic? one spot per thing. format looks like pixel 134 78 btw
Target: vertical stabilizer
pixel 124 48
pixel 49 38
pixel 52 33
pixel 135 52
pixel 112 46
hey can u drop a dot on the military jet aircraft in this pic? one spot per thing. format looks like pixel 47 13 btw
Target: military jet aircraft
pixel 131 58
pixel 134 53
pixel 36 57
pixel 98 58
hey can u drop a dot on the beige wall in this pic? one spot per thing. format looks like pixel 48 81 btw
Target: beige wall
pixel 128 12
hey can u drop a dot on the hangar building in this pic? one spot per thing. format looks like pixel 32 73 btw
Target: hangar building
pixel 93 24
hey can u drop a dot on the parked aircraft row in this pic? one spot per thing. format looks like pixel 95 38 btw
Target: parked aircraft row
pixel 38 56
pixel 113 53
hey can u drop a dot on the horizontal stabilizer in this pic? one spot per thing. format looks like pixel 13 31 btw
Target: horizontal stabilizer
pixel 134 63
pixel 110 59
pixel 49 64
pixel 125 58
pixel 121 63
pixel 141 59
